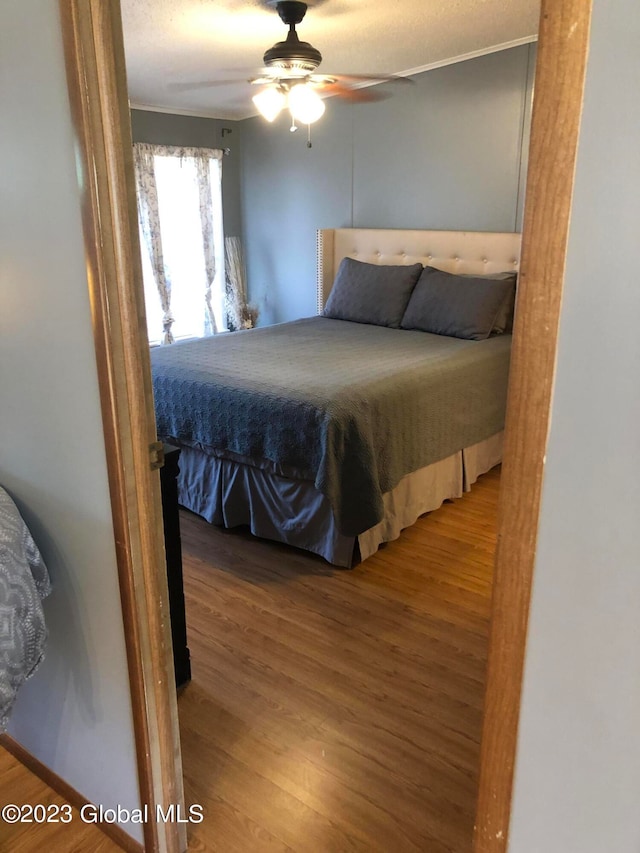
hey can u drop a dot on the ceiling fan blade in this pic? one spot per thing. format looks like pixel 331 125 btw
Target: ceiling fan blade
pixel 355 96
pixel 378 78
pixel 205 84
pixel 250 75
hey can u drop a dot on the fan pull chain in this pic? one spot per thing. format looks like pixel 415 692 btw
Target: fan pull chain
pixel 309 145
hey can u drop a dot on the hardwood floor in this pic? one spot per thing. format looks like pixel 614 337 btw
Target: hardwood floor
pixel 18 785
pixel 330 710
pixel 336 710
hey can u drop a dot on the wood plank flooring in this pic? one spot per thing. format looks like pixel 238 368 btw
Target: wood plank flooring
pixel 336 710
pixel 330 710
pixel 18 785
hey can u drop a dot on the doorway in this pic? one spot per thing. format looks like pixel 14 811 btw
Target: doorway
pixel 519 419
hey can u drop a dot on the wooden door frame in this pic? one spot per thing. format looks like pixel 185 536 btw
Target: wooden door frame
pixel 94 57
pixel 95 65
pixel 555 126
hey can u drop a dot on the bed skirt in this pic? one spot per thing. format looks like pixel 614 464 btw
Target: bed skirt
pixel 230 494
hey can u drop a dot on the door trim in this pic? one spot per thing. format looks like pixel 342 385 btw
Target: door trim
pixel 555 126
pixel 95 66
pixel 94 57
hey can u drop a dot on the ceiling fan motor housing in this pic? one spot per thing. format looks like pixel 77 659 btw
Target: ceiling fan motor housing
pixel 292 53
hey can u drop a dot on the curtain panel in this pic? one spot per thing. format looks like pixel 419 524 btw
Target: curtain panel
pixel 151 227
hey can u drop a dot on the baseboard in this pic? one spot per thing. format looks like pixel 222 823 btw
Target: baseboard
pixel 64 789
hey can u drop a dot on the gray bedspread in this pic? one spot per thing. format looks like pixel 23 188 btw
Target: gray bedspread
pixel 348 406
pixel 24 581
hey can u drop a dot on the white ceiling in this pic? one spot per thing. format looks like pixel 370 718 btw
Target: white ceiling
pixel 169 43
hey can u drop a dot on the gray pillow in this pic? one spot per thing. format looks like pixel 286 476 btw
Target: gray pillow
pixel 504 320
pixel 371 293
pixel 460 306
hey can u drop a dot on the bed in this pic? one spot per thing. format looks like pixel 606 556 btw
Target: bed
pixel 24 582
pixel 331 433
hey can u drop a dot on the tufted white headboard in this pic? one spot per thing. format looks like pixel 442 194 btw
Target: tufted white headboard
pixel 481 252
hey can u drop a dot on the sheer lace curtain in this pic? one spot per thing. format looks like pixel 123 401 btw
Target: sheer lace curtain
pixel 180 219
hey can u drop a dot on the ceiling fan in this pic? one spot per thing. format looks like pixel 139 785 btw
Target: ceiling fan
pixel 289 75
pixel 289 79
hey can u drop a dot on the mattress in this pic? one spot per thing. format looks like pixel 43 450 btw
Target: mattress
pixel 350 408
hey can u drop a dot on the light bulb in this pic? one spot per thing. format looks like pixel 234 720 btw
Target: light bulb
pixel 269 102
pixel 305 104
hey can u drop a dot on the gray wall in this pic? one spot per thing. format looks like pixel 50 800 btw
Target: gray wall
pixel 578 764
pixel 74 715
pixel 169 129
pixel 447 152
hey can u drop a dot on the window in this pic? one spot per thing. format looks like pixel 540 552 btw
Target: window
pixel 182 240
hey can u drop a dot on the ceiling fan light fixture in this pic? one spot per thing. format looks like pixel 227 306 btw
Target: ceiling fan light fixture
pixel 305 104
pixel 269 102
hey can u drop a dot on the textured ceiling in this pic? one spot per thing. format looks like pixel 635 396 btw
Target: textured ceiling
pixel 170 43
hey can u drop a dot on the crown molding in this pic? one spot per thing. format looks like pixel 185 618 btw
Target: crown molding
pixel 155 108
pixel 463 57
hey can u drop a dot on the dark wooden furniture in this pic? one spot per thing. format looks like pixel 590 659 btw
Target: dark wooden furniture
pixel 173 547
